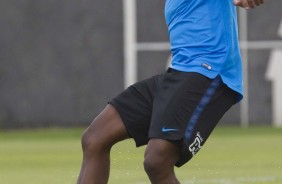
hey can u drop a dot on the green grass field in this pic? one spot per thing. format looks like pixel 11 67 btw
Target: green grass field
pixel 230 156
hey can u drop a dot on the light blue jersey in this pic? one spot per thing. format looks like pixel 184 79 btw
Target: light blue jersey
pixel 204 39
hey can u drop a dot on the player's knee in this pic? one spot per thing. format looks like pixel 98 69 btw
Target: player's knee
pixel 153 165
pixel 92 143
pixel 87 142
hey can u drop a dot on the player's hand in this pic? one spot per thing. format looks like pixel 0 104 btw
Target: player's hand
pixel 248 4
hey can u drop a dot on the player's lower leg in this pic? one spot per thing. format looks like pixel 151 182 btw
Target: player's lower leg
pixel 95 167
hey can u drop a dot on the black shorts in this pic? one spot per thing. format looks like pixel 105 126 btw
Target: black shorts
pixel 174 106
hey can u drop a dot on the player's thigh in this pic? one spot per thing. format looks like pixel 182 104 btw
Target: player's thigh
pixel 107 128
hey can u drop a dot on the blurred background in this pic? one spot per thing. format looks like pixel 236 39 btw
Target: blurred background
pixel 62 61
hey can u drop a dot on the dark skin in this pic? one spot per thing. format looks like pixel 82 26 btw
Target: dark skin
pixel 107 129
pixel 248 4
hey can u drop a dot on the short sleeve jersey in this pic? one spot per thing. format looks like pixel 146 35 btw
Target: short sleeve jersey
pixel 204 39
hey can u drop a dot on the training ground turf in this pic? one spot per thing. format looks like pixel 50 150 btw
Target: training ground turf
pixel 230 156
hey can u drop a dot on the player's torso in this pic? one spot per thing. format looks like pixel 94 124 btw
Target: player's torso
pixel 199 24
pixel 203 37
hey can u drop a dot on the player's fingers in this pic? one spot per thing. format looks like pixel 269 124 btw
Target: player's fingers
pixel 258 2
pixel 243 3
pixel 249 4
pixel 238 3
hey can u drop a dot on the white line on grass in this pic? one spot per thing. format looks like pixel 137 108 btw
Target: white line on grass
pixel 240 180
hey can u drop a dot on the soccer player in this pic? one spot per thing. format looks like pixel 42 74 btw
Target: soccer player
pixel 174 112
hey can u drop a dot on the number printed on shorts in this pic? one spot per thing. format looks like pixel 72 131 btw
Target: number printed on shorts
pixel 196 145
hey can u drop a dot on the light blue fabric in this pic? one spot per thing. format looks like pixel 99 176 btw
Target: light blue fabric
pixel 204 39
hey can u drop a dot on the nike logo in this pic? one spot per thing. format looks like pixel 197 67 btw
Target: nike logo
pixel 164 129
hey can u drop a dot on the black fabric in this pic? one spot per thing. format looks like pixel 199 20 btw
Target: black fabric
pixel 222 100
pixel 161 107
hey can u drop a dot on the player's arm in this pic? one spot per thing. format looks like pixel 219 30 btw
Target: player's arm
pixel 248 4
